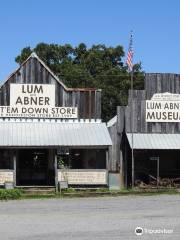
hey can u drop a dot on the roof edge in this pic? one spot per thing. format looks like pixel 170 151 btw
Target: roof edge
pixel 34 55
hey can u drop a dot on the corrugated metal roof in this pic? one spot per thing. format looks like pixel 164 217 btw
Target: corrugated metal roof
pixel 112 121
pixel 154 141
pixel 25 134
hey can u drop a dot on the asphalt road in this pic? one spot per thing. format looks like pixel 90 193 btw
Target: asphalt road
pixel 91 218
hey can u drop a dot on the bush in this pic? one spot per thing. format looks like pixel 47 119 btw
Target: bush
pixel 6 194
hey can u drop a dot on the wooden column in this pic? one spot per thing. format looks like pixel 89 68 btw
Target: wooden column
pixel 56 170
pixel 121 169
pixel 14 166
pixel 107 160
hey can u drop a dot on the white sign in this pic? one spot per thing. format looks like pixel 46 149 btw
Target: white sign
pixel 163 107
pixel 35 101
pixel 166 96
pixel 83 177
pixel 37 95
pixel 6 176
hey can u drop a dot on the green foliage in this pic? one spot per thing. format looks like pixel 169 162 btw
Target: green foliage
pixel 7 194
pixel 99 66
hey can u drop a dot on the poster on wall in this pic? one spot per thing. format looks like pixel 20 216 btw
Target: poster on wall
pixel 35 101
pixel 163 107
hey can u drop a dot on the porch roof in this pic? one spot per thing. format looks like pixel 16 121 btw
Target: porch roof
pixel 52 134
pixel 154 141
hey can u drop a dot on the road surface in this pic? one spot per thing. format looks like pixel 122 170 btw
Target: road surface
pixel 91 218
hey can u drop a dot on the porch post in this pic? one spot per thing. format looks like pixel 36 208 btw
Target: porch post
pixel 107 160
pixel 107 166
pixel 121 170
pixel 14 166
pixel 56 171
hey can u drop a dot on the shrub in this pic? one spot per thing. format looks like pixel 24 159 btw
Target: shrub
pixel 6 194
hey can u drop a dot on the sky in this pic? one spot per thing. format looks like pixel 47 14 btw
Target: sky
pixel 155 25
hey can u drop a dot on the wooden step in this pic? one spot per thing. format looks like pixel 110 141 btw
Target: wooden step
pixel 39 190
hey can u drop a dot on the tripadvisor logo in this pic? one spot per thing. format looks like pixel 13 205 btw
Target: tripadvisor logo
pixel 138 231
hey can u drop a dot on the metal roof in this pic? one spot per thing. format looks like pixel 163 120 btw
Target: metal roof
pixel 112 121
pixel 41 134
pixel 154 141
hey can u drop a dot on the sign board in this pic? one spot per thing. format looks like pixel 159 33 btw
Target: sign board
pixel 37 95
pixel 83 177
pixel 63 184
pixel 6 176
pixel 163 107
pixel 35 101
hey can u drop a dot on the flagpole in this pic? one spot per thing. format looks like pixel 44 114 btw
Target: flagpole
pixel 129 62
pixel 132 129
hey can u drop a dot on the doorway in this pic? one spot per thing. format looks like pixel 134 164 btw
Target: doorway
pixel 34 168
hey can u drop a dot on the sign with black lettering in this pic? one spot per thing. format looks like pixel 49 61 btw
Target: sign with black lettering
pixel 163 107
pixel 35 101
pixel 32 95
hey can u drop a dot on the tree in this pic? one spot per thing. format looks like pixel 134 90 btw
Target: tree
pixel 99 66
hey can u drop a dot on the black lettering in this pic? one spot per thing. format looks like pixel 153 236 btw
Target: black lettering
pixel 170 115
pixel 150 115
pixel 68 110
pixel 23 91
pixel 62 110
pixel 164 116
pixel 14 110
pixel 26 101
pixel 38 90
pixel 33 101
pixel 158 115
pixel 46 101
pixel 41 100
pixel 19 101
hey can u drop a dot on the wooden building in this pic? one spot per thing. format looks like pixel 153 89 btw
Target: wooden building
pixel 150 124
pixel 49 132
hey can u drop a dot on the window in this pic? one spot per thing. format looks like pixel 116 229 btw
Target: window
pixel 6 161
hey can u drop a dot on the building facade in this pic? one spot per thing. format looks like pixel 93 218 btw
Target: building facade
pixel 150 124
pixel 49 132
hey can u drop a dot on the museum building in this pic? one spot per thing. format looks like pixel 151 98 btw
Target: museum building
pixel 49 132
pixel 150 125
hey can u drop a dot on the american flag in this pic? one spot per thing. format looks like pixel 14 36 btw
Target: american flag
pixel 129 60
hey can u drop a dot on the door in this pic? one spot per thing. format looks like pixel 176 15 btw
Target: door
pixel 32 168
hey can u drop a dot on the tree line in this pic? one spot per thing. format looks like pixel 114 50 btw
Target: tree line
pixel 99 67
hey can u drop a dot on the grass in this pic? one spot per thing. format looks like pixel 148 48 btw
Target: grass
pixel 7 194
pixel 70 193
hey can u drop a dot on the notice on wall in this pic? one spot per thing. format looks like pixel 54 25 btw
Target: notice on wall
pixel 6 176
pixel 35 101
pixel 83 177
pixel 163 107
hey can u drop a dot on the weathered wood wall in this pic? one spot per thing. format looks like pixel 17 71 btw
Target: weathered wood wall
pixel 32 71
pixel 114 149
pixel 116 133
pixel 154 83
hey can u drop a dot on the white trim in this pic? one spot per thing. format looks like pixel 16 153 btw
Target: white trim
pixel 51 120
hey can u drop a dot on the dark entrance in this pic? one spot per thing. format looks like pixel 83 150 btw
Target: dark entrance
pixel 34 168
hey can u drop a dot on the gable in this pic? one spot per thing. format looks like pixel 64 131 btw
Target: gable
pixel 35 71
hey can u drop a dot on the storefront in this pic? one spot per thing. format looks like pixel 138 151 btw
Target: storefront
pixel 150 125
pixel 50 133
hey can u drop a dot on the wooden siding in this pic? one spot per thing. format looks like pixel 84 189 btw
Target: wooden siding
pixel 154 83
pixel 33 71
pixel 114 149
